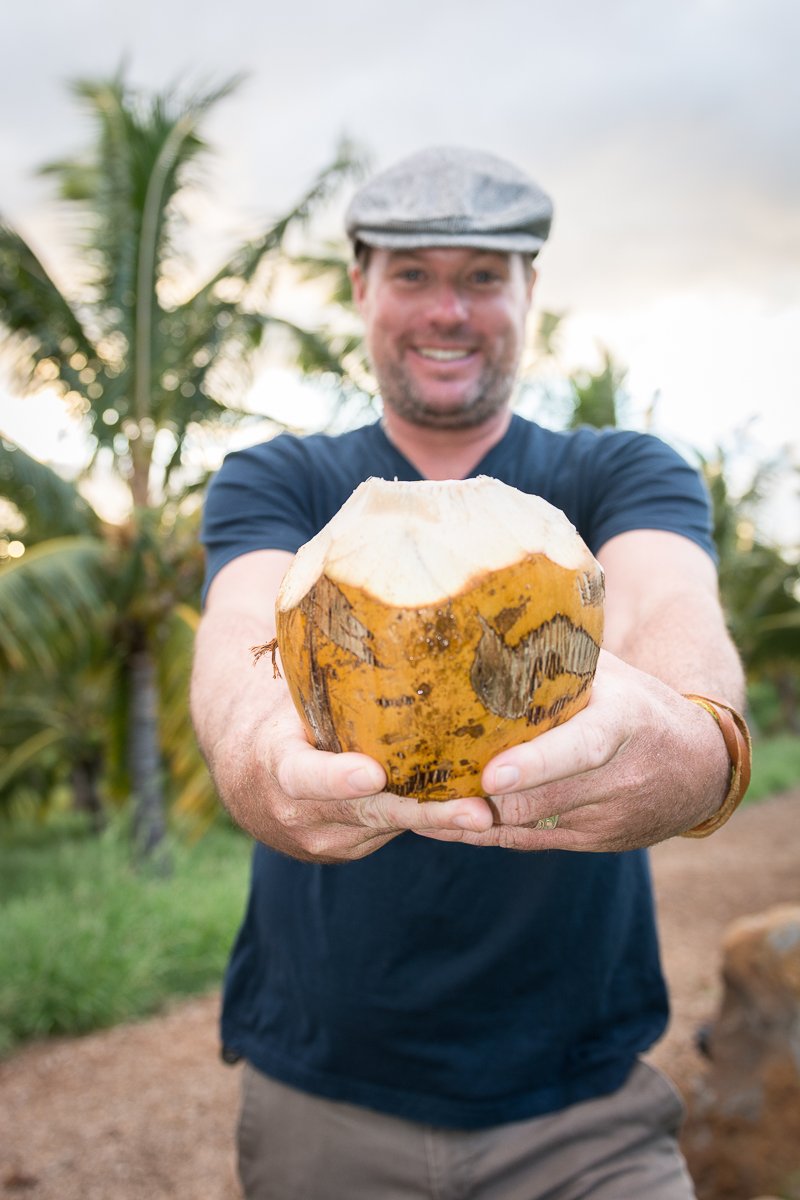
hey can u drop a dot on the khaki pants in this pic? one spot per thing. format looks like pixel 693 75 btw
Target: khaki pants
pixel 293 1146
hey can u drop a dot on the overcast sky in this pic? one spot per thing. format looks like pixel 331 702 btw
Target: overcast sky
pixel 668 135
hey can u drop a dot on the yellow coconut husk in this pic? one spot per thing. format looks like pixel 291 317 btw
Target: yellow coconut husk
pixel 433 624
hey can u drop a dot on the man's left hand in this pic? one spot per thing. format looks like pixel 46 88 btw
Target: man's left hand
pixel 638 765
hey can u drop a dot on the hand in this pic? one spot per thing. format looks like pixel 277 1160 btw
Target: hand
pixel 323 807
pixel 638 765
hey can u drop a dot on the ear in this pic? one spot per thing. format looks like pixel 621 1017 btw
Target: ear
pixel 359 285
pixel 532 277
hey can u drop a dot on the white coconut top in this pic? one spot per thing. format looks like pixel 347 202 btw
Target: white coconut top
pixel 416 543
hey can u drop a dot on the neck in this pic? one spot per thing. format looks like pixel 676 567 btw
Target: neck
pixel 445 453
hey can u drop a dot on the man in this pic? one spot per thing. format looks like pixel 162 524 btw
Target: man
pixel 424 1012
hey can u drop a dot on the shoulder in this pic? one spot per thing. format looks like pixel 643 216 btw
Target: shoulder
pixel 568 461
pixel 639 463
pixel 611 481
pixel 277 494
pixel 588 445
pixel 601 446
pixel 290 460
pixel 638 481
pixel 292 447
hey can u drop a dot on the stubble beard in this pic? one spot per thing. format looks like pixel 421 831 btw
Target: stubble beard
pixel 491 394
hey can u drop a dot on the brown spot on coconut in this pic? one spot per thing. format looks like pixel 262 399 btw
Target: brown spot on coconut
pixel 427 612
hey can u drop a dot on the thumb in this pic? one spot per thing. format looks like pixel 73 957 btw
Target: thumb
pixel 388 811
pixel 307 773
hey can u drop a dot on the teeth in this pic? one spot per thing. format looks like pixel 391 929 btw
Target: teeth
pixel 442 355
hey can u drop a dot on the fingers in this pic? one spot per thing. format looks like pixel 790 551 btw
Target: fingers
pixel 587 741
pixel 353 786
pixel 387 811
pixel 510 837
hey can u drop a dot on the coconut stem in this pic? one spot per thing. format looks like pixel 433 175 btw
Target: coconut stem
pixel 270 648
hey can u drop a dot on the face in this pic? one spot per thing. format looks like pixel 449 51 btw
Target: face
pixel 445 329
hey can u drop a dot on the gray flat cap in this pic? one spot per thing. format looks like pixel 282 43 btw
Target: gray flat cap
pixel 449 196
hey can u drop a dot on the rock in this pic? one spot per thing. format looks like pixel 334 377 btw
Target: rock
pixel 742 1138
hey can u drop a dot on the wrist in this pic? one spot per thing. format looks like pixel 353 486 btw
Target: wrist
pixel 738 746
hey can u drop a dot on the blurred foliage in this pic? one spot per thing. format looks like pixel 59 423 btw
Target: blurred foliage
pixel 760 589
pixel 96 620
pixel 598 397
pixel 86 942
pixel 776 766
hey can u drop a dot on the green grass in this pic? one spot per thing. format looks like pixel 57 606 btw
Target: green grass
pixel 86 941
pixel 776 766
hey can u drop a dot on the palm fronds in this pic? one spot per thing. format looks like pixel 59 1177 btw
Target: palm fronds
pixel 53 604
pixel 94 606
pixel 46 340
pixel 51 505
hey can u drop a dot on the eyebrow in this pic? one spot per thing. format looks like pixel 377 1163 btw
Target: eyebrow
pixel 415 254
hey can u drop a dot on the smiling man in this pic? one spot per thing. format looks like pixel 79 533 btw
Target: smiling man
pixel 446 330
pixel 424 1012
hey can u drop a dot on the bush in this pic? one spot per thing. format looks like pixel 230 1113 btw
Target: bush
pixel 86 941
pixel 776 766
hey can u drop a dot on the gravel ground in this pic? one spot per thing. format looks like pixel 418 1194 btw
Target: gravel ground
pixel 146 1111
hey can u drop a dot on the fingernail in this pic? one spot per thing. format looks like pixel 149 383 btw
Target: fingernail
pixel 505 778
pixel 364 780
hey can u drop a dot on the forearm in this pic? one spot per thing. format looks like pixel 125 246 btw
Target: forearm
pixel 231 695
pixel 235 702
pixel 684 643
pixel 664 618
pixel 663 614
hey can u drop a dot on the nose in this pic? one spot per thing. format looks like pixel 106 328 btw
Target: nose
pixel 448 305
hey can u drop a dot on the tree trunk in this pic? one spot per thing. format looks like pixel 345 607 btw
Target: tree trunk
pixel 144 756
pixel 85 774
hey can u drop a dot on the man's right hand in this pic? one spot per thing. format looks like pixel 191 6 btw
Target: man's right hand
pixel 304 802
pixel 323 807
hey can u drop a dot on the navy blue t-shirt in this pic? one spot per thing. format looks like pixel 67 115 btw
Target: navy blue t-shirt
pixel 450 984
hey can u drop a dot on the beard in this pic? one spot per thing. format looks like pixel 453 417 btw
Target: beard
pixel 488 396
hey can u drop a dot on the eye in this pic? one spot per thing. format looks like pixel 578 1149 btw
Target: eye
pixel 409 274
pixel 484 277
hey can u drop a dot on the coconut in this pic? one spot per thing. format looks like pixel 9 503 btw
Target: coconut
pixel 431 625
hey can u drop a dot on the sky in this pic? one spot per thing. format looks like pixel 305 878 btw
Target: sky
pixel 668 136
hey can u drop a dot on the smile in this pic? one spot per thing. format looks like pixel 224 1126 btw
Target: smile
pixel 438 355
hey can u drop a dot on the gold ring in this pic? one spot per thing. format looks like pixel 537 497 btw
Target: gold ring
pixel 547 822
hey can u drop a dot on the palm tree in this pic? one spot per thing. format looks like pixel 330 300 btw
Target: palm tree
pixel 570 398
pixel 759 584
pixel 143 366
pixel 70 610
pixel 598 397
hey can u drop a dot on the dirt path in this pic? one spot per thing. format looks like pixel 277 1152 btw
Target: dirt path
pixel 145 1112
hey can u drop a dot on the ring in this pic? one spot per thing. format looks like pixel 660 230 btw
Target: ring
pixel 547 822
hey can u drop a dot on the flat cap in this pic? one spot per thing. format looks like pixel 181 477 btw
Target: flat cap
pixel 450 196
